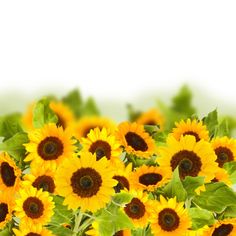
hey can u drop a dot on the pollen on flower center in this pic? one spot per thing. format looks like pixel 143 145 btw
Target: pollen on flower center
pixel 168 219
pixel 135 209
pixel 223 230
pixel 101 149
pixel 223 155
pixel 45 182
pixel 33 207
pixel 150 179
pixel 7 174
pixel 136 142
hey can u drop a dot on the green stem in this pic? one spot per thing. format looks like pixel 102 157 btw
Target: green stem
pixel 78 218
pixel 85 224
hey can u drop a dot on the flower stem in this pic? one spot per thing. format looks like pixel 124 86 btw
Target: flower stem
pixel 78 218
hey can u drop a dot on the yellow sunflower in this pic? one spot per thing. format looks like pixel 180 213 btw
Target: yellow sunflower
pixel 32 230
pixel 85 182
pixel 139 209
pixel 135 140
pixel 169 218
pixel 194 128
pixel 6 207
pixel 9 174
pixel 222 175
pixel 149 177
pixel 151 117
pixel 27 118
pixel 34 207
pixel 193 158
pixel 225 227
pixel 83 126
pixel 225 150
pixel 102 143
pixel 41 178
pixel 49 145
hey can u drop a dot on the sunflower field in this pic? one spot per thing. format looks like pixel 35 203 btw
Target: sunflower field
pixel 66 170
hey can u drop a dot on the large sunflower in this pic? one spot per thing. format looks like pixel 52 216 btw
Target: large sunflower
pixel 49 145
pixel 102 143
pixel 85 182
pixel 9 174
pixel 191 127
pixel 34 207
pixel 83 126
pixel 169 218
pixel 225 227
pixel 193 158
pixel 225 150
pixel 151 117
pixel 135 140
pixel 149 177
pixel 32 230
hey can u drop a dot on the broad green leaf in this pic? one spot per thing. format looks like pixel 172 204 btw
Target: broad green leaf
pixel 231 169
pixel 216 198
pixel 42 114
pixel 175 187
pixel 5 232
pixel 132 114
pixel 230 212
pixel 191 183
pixel 60 230
pixel 90 108
pixel 122 198
pixel 200 218
pixel 211 121
pixel 222 129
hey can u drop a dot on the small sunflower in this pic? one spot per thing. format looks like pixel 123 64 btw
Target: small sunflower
pixel 85 182
pixel 83 126
pixel 34 207
pixel 49 145
pixel 222 175
pixel 225 227
pixel 135 140
pixel 149 177
pixel 41 178
pixel 151 117
pixel 169 218
pixel 102 143
pixel 193 158
pixel 32 230
pixel 6 207
pixel 139 209
pixel 9 174
pixel 194 128
pixel 225 150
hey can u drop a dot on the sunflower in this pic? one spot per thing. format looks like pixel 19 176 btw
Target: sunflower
pixel 188 127
pixel 139 209
pixel 6 206
pixel 85 182
pixel 32 230
pixel 135 140
pixel 193 158
pixel 49 145
pixel 83 126
pixel 9 174
pixel 149 177
pixel 222 175
pixel 42 177
pixel 34 207
pixel 169 218
pixel 151 117
pixel 102 143
pixel 225 150
pixel 225 227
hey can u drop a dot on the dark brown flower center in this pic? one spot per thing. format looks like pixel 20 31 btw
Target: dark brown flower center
pixel 119 233
pixel 136 142
pixel 88 129
pixel 193 134
pixel 7 174
pixel 101 149
pixel 44 182
pixel 60 121
pixel 32 234
pixel 3 211
pixel 223 155
pixel 135 209
pixel 189 163
pixel 122 183
pixel 150 179
pixel 50 148
pixel 33 207
pixel 150 122
pixel 86 182
pixel 223 230
pixel 168 219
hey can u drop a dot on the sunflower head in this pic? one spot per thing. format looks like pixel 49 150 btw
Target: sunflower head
pixel 169 218
pixel 222 175
pixel 191 127
pixel 135 140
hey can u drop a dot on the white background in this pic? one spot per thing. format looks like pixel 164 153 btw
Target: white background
pixel 117 49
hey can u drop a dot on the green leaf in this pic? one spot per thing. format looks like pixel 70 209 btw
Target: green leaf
pixel 5 232
pixel 122 198
pixel 216 198
pixel 231 169
pixel 175 187
pixel 222 129
pixel 132 114
pixel 230 212
pixel 42 114
pixel 200 218
pixel 60 230
pixel 211 121
pixel 90 108
pixel 14 145
pixel 10 125
pixel 191 183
